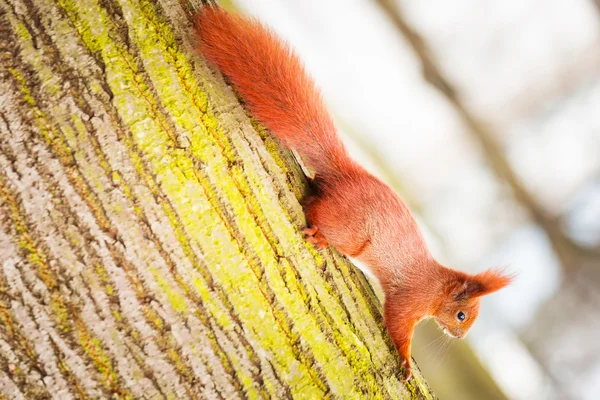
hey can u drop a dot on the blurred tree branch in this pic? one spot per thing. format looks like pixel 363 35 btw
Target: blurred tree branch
pixel 569 253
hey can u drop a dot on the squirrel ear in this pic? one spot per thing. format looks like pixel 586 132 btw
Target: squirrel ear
pixel 467 289
pixel 488 282
pixel 463 286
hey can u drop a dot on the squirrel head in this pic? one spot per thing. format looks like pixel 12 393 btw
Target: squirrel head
pixel 461 294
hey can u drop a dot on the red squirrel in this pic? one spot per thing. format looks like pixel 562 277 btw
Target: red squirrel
pixel 350 209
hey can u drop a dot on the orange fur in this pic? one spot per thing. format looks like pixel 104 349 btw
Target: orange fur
pixel 351 209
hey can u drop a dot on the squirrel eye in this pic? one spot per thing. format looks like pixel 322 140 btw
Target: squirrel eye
pixel 461 316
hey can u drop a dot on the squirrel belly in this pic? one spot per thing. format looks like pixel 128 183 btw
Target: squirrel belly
pixel 364 268
pixel 351 209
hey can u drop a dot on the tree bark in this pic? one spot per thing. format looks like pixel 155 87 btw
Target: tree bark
pixel 149 243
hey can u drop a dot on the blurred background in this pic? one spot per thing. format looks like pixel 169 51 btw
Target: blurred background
pixel 485 116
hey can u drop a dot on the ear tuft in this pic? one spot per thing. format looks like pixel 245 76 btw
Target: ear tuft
pixel 490 281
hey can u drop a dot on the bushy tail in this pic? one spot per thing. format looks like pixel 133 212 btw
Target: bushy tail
pixel 271 79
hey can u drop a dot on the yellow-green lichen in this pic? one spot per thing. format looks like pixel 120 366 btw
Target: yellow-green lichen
pixel 179 185
pixel 93 349
pixel 216 208
pixel 175 299
pixel 60 311
pixel 25 242
pixel 153 318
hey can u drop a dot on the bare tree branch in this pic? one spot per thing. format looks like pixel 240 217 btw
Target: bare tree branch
pixel 569 253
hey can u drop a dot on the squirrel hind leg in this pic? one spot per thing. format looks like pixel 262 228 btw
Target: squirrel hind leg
pixel 312 233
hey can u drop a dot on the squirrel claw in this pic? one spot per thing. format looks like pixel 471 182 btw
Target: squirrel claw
pixel 407 370
pixel 313 235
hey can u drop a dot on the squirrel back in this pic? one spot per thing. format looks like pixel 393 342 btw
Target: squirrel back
pixel 271 79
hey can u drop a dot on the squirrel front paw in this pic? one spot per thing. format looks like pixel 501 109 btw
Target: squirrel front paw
pixel 407 369
pixel 313 235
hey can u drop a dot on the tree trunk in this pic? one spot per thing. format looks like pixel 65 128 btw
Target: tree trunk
pixel 149 241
